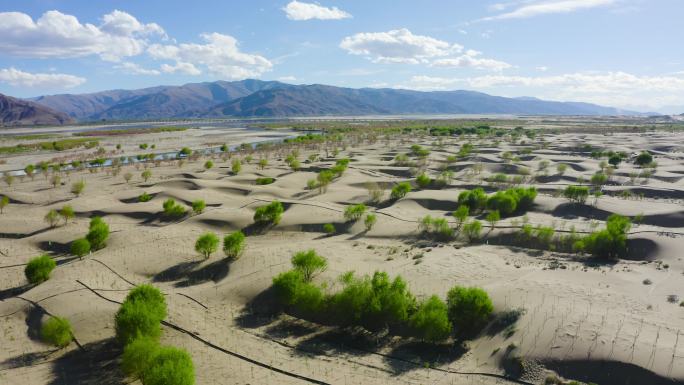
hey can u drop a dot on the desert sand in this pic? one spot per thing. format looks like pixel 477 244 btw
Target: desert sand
pixel 583 319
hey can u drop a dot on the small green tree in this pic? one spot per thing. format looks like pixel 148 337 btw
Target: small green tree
pixel 186 151
pixel 67 213
pixel 138 355
pixel 140 314
pixel 263 162
pixel 370 221
pixel 144 197
pixel 170 366
pixel 561 168
pixel 236 166
pixel 475 199
pixel 423 180
pixel 198 206
pixel 98 233
pixel 57 331
pixel 472 230
pixel 354 212
pixel 576 194
pixel 430 322
pixel 400 190
pixel 469 308
pixel 80 247
pixel 30 171
pixel 4 201
pixel 146 175
pixel 55 180
pixel 324 178
pixel 309 264
pixel 461 214
pixel 329 228
pixel 207 244
pixel 269 214
pixel 644 158
pixel 127 177
pixel 173 209
pixel 52 218
pixel 493 217
pixel 78 187
pixel 208 165
pixel 39 268
pixel 234 244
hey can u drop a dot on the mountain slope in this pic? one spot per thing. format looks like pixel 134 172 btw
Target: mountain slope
pixel 249 98
pixel 153 102
pixel 14 112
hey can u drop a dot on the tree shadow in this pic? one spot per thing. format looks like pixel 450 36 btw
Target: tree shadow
pixel 340 341
pixel 190 273
pixel 26 359
pixel 15 291
pixel 414 355
pixel 260 311
pixel 34 322
pixel 97 365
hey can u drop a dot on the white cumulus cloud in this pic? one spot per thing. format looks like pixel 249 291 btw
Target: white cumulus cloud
pixel 537 8
pixel 297 10
pixel 220 55
pixel 18 78
pixel 135 69
pixel 472 59
pixel 58 35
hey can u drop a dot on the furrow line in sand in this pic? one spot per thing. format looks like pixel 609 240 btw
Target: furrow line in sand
pixel 216 347
pixel 44 310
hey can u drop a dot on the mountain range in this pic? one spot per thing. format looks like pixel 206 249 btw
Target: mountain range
pixel 15 111
pixel 257 98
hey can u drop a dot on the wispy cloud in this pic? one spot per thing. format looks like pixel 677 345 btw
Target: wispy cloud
pixel 18 78
pixel 531 9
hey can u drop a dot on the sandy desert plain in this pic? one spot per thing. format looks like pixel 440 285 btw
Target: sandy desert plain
pixel 559 314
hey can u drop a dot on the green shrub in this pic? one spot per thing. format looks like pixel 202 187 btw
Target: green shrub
pixel 185 151
pixel 144 197
pixel 423 180
pixel 78 187
pixel 309 264
pixel 476 199
pixel 472 230
pixel 372 302
pixel 208 165
pixel 234 244
pixel 324 178
pixel 292 290
pixel 503 202
pixel 493 217
pixel 80 247
pixel 98 234
pixel 400 190
pixel 354 212
pixel 461 214
pixel 437 227
pixel 52 218
pixel 236 166
pixel 430 322
pixel 140 314
pixel 329 228
pixel 207 244
pixel 138 356
pixel 4 201
pixel 269 214
pixel 39 268
pixel 577 194
pixel 67 213
pixel 170 366
pixel 57 331
pixel 615 159
pixel 173 209
pixel 264 181
pixel 370 220
pixel 644 158
pixel 610 242
pixel 146 175
pixel 198 206
pixel 469 308
pixel 599 179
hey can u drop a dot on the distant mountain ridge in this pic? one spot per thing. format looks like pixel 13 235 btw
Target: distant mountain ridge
pixel 257 98
pixel 14 112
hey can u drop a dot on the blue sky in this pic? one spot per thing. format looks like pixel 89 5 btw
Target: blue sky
pixel 624 53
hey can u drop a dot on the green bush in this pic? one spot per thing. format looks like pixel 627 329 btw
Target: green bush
pixel 292 290
pixel 461 214
pixel 610 242
pixel 80 247
pixel 144 197
pixel 515 199
pixel 208 165
pixel 370 220
pixel 430 322
pixel 98 234
pixel 198 206
pixel 138 356
pixel 437 227
pixel 400 190
pixel 423 180
pixel 39 268
pixel 140 314
pixel 329 228
pixel 577 194
pixel 324 178
pixel 354 212
pixel 236 166
pixel 269 214
pixel 207 244
pixel 264 181
pixel 309 264
pixel 472 230
pixel 67 213
pixel 469 308
pixel 644 158
pixel 57 331
pixel 476 199
pixel 173 209
pixel 234 244
pixel 185 151
pixel 170 366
